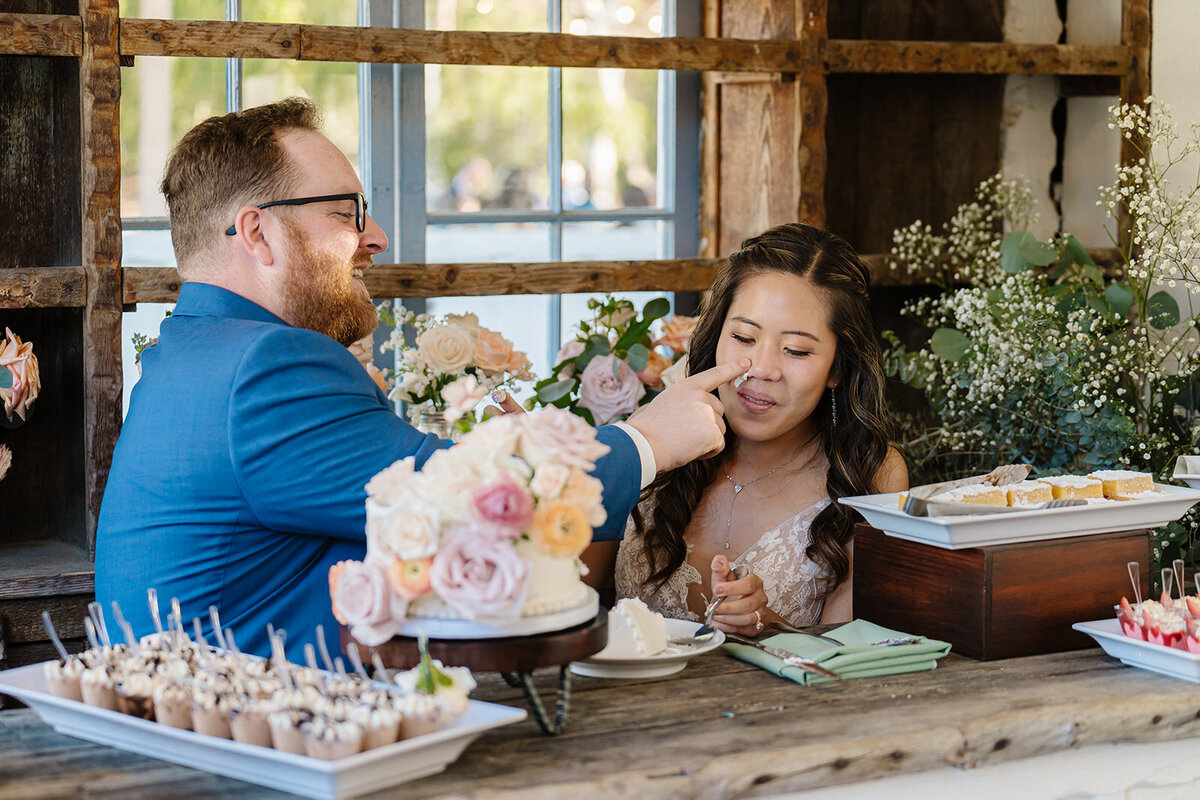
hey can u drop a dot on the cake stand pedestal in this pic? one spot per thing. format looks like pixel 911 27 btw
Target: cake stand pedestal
pixel 515 658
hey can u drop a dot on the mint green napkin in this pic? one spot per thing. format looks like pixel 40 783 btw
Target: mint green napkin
pixel 858 658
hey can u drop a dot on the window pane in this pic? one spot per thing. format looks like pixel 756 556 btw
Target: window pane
pixel 610 138
pixel 486 15
pixel 575 310
pixel 613 241
pixel 612 17
pixel 333 87
pixel 486 137
pixel 172 9
pixel 161 99
pixel 295 11
pixel 464 244
pixel 142 249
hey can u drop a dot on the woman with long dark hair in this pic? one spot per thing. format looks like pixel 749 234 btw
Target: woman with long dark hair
pixel 805 427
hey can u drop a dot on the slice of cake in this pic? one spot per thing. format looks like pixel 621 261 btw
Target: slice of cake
pixel 635 631
pixel 1029 493
pixel 1123 483
pixel 978 493
pixel 1071 486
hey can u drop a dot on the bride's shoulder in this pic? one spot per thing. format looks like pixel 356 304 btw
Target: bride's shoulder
pixel 893 474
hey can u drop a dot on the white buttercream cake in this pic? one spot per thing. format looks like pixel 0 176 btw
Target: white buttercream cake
pixel 634 631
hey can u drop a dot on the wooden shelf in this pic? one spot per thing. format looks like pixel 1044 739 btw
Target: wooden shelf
pixel 41 568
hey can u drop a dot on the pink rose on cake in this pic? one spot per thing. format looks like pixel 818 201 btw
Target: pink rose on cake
pixel 504 503
pixel 609 388
pixel 557 435
pixel 363 601
pixel 480 577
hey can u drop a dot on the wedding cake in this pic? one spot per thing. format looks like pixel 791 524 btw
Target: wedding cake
pixel 484 540
pixel 634 631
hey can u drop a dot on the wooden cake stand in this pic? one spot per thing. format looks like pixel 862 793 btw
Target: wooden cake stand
pixel 515 658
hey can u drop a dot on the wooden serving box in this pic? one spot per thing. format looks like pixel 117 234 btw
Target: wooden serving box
pixel 996 602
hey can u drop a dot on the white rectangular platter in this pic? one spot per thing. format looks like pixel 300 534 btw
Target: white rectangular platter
pixel 1136 653
pixel 310 777
pixel 953 533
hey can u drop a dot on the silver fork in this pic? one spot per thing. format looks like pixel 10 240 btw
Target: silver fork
pixel 705 631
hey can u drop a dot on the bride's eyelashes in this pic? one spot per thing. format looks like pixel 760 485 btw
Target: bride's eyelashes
pixel 795 353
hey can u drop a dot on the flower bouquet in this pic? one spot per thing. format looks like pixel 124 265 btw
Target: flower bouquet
pixel 20 380
pixel 489 529
pixel 614 365
pixel 455 364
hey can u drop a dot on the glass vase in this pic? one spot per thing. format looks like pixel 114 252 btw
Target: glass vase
pixel 430 420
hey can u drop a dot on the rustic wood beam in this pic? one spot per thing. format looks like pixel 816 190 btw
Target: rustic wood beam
pixel 153 37
pixel 213 38
pixel 812 158
pixel 41 35
pixel 100 89
pixel 1135 88
pixel 976 58
pixel 45 287
pixel 161 284
pixel 710 153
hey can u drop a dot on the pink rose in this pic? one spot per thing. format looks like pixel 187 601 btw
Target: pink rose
pixel 555 435
pixel 569 350
pixel 364 601
pixel 652 374
pixel 479 576
pixel 606 395
pixel 504 502
pixel 462 396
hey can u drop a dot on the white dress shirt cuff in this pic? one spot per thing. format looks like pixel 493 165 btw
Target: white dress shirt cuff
pixel 645 453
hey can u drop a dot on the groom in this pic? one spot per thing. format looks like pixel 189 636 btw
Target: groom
pixel 239 476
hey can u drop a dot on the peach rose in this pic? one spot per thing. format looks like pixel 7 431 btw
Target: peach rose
pixel 677 333
pixel 675 373
pixel 410 579
pixel 18 358
pixel 492 351
pixel 587 494
pixel 364 349
pixel 447 348
pixel 561 529
pixel 652 374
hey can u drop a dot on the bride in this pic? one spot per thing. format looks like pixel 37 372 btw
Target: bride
pixel 805 427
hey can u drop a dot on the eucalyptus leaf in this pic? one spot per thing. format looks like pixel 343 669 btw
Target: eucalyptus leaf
pixel 1078 252
pixel 1038 253
pixel 1073 417
pixel 949 344
pixel 638 357
pixel 1011 258
pixel 552 392
pixel 655 309
pixel 616 365
pixel 1098 304
pixel 1162 311
pixel 1120 297
pixel 1094 274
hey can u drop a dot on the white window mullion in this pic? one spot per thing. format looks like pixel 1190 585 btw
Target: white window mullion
pixel 554 167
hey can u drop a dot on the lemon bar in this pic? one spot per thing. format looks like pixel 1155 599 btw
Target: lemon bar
pixel 979 493
pixel 1124 482
pixel 1029 493
pixel 1070 486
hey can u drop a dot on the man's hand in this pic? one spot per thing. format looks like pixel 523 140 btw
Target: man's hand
pixel 686 421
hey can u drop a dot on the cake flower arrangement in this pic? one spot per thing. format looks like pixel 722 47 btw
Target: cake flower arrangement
pixel 474 532
pixel 613 365
pixel 455 364
pixel 20 380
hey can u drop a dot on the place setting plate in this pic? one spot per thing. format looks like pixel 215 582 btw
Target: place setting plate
pixel 355 775
pixel 668 662
pixel 1141 654
pixel 883 511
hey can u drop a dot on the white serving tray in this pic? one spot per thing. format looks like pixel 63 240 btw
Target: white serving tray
pixel 1136 653
pixel 952 533
pixel 1187 469
pixel 355 775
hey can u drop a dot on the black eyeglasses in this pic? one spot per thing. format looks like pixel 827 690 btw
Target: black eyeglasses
pixel 360 207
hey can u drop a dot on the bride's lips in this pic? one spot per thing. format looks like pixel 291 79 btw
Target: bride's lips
pixel 754 402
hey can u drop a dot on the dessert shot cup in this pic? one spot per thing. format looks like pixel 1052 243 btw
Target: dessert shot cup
pixel 63 678
pixel 98 689
pixel 172 705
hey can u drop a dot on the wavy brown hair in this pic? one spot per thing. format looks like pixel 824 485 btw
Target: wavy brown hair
pixel 858 450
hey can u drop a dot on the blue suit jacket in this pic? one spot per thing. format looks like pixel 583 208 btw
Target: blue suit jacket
pixel 239 475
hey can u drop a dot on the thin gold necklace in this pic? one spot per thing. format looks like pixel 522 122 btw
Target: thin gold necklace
pixel 737 488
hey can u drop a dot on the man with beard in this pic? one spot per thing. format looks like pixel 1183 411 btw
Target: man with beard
pixel 239 476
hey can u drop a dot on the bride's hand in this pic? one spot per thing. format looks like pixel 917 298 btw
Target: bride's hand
pixel 745 601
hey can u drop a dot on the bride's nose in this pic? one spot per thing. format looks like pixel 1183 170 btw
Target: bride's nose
pixel 765 364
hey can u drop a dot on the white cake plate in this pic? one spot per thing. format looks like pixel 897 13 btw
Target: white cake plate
pixel 498 628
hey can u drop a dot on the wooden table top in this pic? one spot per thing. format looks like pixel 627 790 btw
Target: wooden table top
pixel 720 728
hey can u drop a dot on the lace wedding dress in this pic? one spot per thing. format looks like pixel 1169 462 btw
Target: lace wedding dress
pixel 792 581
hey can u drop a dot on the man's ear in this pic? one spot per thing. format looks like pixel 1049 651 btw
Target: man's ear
pixel 259 234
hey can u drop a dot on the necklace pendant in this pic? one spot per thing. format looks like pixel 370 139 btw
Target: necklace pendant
pixel 727 545
pixel 737 487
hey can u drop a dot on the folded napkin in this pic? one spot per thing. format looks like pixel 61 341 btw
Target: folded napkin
pixel 858 658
